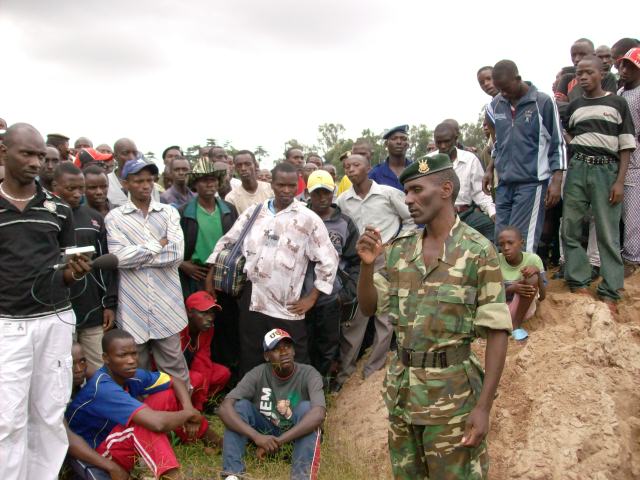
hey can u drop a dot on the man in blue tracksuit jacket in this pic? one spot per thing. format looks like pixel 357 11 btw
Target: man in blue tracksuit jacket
pixel 529 155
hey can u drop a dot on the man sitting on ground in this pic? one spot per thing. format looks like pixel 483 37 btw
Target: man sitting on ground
pixel 207 377
pixel 274 404
pixel 107 414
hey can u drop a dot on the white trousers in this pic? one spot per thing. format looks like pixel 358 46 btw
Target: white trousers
pixel 35 386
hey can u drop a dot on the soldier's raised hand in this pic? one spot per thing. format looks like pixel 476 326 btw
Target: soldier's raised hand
pixel 369 246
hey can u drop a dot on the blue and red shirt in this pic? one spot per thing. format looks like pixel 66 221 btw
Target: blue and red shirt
pixel 102 404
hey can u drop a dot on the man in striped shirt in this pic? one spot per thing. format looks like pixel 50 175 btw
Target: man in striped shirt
pixel 602 139
pixel 147 239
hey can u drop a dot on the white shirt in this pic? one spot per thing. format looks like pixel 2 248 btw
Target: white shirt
pixel 470 172
pixel 241 199
pixel 383 207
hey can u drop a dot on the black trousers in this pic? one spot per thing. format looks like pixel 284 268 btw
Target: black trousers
pixel 254 325
pixel 323 330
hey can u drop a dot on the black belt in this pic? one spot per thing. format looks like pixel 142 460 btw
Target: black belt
pixel 437 359
pixel 595 159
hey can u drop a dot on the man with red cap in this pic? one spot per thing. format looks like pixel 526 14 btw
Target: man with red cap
pixel 207 377
pixel 90 156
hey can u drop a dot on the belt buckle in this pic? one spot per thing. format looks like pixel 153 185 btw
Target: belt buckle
pixel 441 358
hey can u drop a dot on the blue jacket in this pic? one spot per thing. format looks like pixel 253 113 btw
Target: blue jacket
pixel 383 175
pixel 529 145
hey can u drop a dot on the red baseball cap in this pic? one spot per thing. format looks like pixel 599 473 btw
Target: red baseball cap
pixel 633 56
pixel 89 155
pixel 201 301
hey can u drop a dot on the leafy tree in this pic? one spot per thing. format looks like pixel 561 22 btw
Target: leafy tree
pixel 293 143
pixel 473 134
pixel 260 153
pixel 419 138
pixel 330 134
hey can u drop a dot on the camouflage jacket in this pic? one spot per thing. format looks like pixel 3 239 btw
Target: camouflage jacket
pixel 448 303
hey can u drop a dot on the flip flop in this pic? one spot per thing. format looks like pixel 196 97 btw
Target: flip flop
pixel 520 334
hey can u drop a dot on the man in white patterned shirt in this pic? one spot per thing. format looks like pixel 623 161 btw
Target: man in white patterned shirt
pixel 474 207
pixel 285 237
pixel 146 237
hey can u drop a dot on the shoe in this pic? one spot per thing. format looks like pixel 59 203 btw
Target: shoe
pixel 231 477
pixel 630 269
pixel 559 275
pixel 520 334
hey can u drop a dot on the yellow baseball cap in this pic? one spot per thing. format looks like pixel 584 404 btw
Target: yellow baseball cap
pixel 320 179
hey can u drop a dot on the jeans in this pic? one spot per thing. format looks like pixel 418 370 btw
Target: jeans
pixel 306 450
pixel 589 185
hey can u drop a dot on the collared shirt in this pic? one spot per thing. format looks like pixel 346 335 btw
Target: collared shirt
pixel 470 172
pixel 241 199
pixel 383 175
pixel 447 303
pixel 117 196
pixel 32 241
pixel 172 196
pixel 383 207
pixel 278 248
pixel 150 297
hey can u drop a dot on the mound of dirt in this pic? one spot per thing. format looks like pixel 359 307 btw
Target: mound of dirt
pixel 568 404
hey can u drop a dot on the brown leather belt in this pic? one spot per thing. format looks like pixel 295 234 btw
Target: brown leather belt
pixel 462 208
pixel 437 359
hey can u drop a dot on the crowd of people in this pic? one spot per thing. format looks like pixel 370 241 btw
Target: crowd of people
pixel 106 349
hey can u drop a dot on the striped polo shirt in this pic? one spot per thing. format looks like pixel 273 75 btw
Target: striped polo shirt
pixel 32 241
pixel 600 126
pixel 149 294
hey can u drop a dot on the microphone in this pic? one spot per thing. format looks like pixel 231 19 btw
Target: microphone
pixel 108 261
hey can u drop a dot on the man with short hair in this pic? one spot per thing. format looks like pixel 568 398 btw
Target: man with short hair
pixel 396 140
pixel 382 206
pixel 96 186
pixel 146 237
pixel 315 159
pixel 89 156
pixel 51 161
pixel 602 138
pixel 621 47
pixel 284 238
pixel 124 150
pixel 264 175
pixel 629 68
pixel 179 193
pixel 331 168
pixel 276 403
pixel 251 190
pixel 109 416
pixel 168 155
pixel 61 142
pixel 295 157
pixel 603 52
pixel 82 142
pixel 108 164
pixel 529 154
pixel 35 336
pixel 94 300
pixel 443 289
pixel 473 206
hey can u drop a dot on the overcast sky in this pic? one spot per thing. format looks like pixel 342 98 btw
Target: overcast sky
pixel 260 72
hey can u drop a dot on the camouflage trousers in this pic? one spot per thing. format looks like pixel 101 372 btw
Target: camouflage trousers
pixel 433 452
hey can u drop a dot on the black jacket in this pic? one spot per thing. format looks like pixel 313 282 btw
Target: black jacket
pixel 189 225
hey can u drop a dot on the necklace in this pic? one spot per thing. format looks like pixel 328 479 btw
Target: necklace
pixel 28 199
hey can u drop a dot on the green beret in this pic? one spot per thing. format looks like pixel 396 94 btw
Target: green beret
pixel 426 166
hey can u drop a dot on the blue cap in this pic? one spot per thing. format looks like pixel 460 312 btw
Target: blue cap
pixel 400 128
pixel 134 166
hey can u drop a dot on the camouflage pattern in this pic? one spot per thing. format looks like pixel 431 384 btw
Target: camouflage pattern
pixel 434 452
pixel 445 304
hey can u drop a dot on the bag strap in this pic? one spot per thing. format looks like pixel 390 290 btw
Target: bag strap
pixel 245 230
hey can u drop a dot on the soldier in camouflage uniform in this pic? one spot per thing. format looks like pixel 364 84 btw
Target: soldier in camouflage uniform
pixel 443 288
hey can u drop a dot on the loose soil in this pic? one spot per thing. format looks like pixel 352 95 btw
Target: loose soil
pixel 568 405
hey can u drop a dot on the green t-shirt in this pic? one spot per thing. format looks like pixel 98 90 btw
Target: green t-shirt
pixel 209 232
pixel 511 273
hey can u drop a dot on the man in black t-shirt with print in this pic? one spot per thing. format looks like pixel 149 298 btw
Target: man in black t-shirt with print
pixel 275 403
